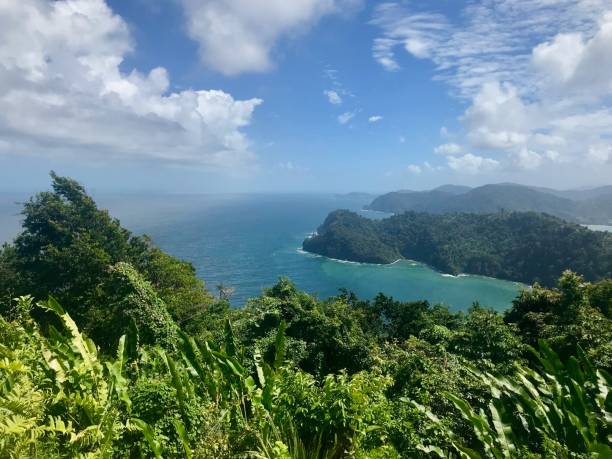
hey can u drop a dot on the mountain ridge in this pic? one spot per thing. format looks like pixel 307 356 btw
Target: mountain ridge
pixel 591 206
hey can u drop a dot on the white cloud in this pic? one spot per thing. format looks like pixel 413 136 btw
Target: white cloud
pixel 537 76
pixel 427 165
pixel 237 36
pixel 448 149
pixel 528 159
pixel 574 63
pixel 498 118
pixel 375 118
pixel 600 153
pixel 346 117
pixel 560 57
pixel 414 169
pixel 472 164
pixel 547 140
pixel 288 166
pixel 62 91
pixel 333 97
pixel 417 33
pixel 483 137
pixel 553 155
pixel 492 41
pixel 383 53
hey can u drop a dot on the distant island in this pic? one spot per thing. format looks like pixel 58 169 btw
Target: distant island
pixel 520 246
pixel 587 206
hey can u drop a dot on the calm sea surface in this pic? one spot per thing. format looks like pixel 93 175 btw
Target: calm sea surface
pixel 248 241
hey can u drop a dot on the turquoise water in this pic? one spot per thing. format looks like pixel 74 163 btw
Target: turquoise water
pixel 248 241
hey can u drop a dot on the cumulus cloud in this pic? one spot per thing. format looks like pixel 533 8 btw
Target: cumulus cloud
pixel 600 153
pixel 448 149
pixel 472 164
pixel 528 159
pixel 536 75
pixel 333 97
pixel 346 117
pixel 375 118
pixel 415 169
pixel 574 63
pixel 237 36
pixel 62 91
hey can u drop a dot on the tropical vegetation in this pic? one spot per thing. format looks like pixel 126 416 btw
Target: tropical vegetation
pixel 520 246
pixel 131 356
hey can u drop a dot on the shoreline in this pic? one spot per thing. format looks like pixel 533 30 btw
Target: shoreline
pixel 301 251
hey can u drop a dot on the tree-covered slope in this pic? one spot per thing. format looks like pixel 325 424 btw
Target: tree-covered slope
pixel 584 206
pixel 338 239
pixel 521 246
pixel 102 274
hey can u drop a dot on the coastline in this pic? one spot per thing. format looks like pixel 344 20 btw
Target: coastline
pixel 301 251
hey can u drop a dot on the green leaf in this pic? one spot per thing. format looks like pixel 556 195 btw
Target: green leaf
pixel 279 347
pixel 180 430
pixel 149 437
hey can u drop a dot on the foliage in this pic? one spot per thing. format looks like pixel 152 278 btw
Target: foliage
pixel 170 372
pixel 485 336
pixel 60 398
pixel 132 301
pixel 68 248
pixel 176 283
pixel 559 409
pixel 566 318
pixel 57 397
pixel 520 246
pixel 326 336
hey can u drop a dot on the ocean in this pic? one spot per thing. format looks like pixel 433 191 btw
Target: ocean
pixel 248 241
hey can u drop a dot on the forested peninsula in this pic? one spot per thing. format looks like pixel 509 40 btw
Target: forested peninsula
pixel 112 348
pixel 521 246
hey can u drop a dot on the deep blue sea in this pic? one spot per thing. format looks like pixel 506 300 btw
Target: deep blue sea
pixel 248 241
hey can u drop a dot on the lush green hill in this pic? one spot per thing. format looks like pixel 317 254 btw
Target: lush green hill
pixel 521 246
pixel 453 189
pixel 583 206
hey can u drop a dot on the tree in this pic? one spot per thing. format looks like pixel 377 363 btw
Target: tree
pixel 66 250
pixel 566 316
pixel 131 301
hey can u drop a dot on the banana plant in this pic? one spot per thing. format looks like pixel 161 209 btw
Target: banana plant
pixel 569 403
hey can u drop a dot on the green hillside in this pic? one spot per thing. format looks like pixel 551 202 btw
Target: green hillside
pixel 520 246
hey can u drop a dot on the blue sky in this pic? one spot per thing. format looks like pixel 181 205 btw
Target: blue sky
pixel 308 95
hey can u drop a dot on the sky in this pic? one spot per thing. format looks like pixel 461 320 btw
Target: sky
pixel 305 95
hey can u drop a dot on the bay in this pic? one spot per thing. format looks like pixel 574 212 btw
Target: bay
pixel 247 241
